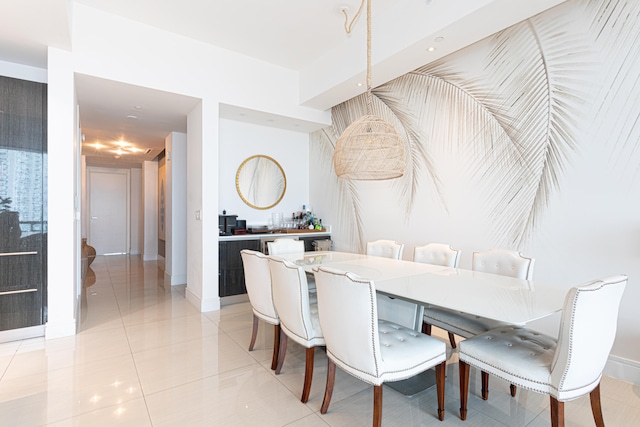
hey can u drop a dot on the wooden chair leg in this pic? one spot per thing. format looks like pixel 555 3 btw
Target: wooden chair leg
pixel 557 413
pixel 328 390
pixel 513 389
pixel 596 407
pixel 377 405
pixel 441 374
pixel 281 351
pixel 464 388
pixel 485 385
pixel 426 328
pixel 308 375
pixel 276 346
pixel 254 332
pixel 452 340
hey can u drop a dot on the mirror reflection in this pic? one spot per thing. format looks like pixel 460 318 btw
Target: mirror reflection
pixel 261 182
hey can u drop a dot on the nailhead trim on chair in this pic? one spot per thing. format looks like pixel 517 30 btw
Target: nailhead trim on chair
pixel 553 391
pixel 339 362
pixel 307 339
pixel 478 364
pixel 573 313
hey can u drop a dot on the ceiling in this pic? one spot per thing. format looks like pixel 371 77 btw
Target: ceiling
pixel 290 33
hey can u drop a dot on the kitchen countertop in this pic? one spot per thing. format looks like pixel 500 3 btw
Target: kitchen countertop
pixel 260 236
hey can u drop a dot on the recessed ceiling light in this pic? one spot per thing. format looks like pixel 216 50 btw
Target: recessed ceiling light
pixel 132 117
pixel 359 84
pixel 431 49
pixel 137 107
pixel 439 39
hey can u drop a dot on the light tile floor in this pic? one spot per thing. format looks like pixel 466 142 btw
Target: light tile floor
pixel 145 357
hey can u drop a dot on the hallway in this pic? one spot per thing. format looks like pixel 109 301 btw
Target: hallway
pixel 145 357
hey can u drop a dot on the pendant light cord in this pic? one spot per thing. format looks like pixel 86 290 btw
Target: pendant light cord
pixel 347 27
pixel 369 97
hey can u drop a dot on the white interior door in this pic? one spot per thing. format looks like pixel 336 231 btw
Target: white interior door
pixel 108 210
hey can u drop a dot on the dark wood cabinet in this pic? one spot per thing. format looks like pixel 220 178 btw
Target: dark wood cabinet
pixel 230 268
pixel 23 192
pixel 308 241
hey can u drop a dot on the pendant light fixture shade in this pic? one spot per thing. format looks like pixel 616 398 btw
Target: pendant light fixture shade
pixel 370 148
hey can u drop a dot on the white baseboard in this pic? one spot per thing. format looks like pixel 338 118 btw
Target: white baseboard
pixel 180 279
pixel 211 304
pixel 21 333
pixel 623 369
pixel 59 330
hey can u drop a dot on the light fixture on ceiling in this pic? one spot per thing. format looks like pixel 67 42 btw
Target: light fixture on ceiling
pixel 370 148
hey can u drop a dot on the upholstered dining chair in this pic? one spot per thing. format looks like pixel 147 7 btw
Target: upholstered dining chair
pixel 285 245
pixel 371 349
pixel 257 279
pixel 564 368
pixel 398 311
pixel 496 261
pixel 298 315
pixel 385 248
pixel 437 254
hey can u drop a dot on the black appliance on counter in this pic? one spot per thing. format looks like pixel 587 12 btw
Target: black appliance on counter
pixel 226 223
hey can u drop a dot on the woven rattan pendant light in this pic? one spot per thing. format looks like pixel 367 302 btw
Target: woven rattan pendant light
pixel 369 148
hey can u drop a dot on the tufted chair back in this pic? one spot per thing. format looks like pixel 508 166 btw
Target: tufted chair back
pixel 437 254
pixel 291 300
pixel 257 279
pixel 371 349
pixel 285 245
pixel 385 248
pixel 346 299
pixel 503 262
pixel 587 331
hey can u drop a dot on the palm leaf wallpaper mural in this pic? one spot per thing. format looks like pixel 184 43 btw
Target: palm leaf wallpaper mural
pixel 502 120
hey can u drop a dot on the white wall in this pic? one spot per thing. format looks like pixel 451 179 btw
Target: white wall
pixel 136 216
pixel 24 72
pixel 238 141
pixel 176 208
pixel 137 54
pixel 63 251
pixel 150 210
pixel 590 226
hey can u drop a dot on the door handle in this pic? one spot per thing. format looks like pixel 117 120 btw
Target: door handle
pixel 21 291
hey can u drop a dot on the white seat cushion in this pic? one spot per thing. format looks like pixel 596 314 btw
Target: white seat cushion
pixel 518 355
pixel 462 324
pixel 402 347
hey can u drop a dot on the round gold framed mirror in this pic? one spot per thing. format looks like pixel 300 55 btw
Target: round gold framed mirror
pixel 261 182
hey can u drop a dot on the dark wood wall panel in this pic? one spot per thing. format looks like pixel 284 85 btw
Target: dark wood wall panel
pixel 23 216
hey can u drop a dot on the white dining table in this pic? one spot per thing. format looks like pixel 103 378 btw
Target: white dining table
pixel 493 296
pixel 414 285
